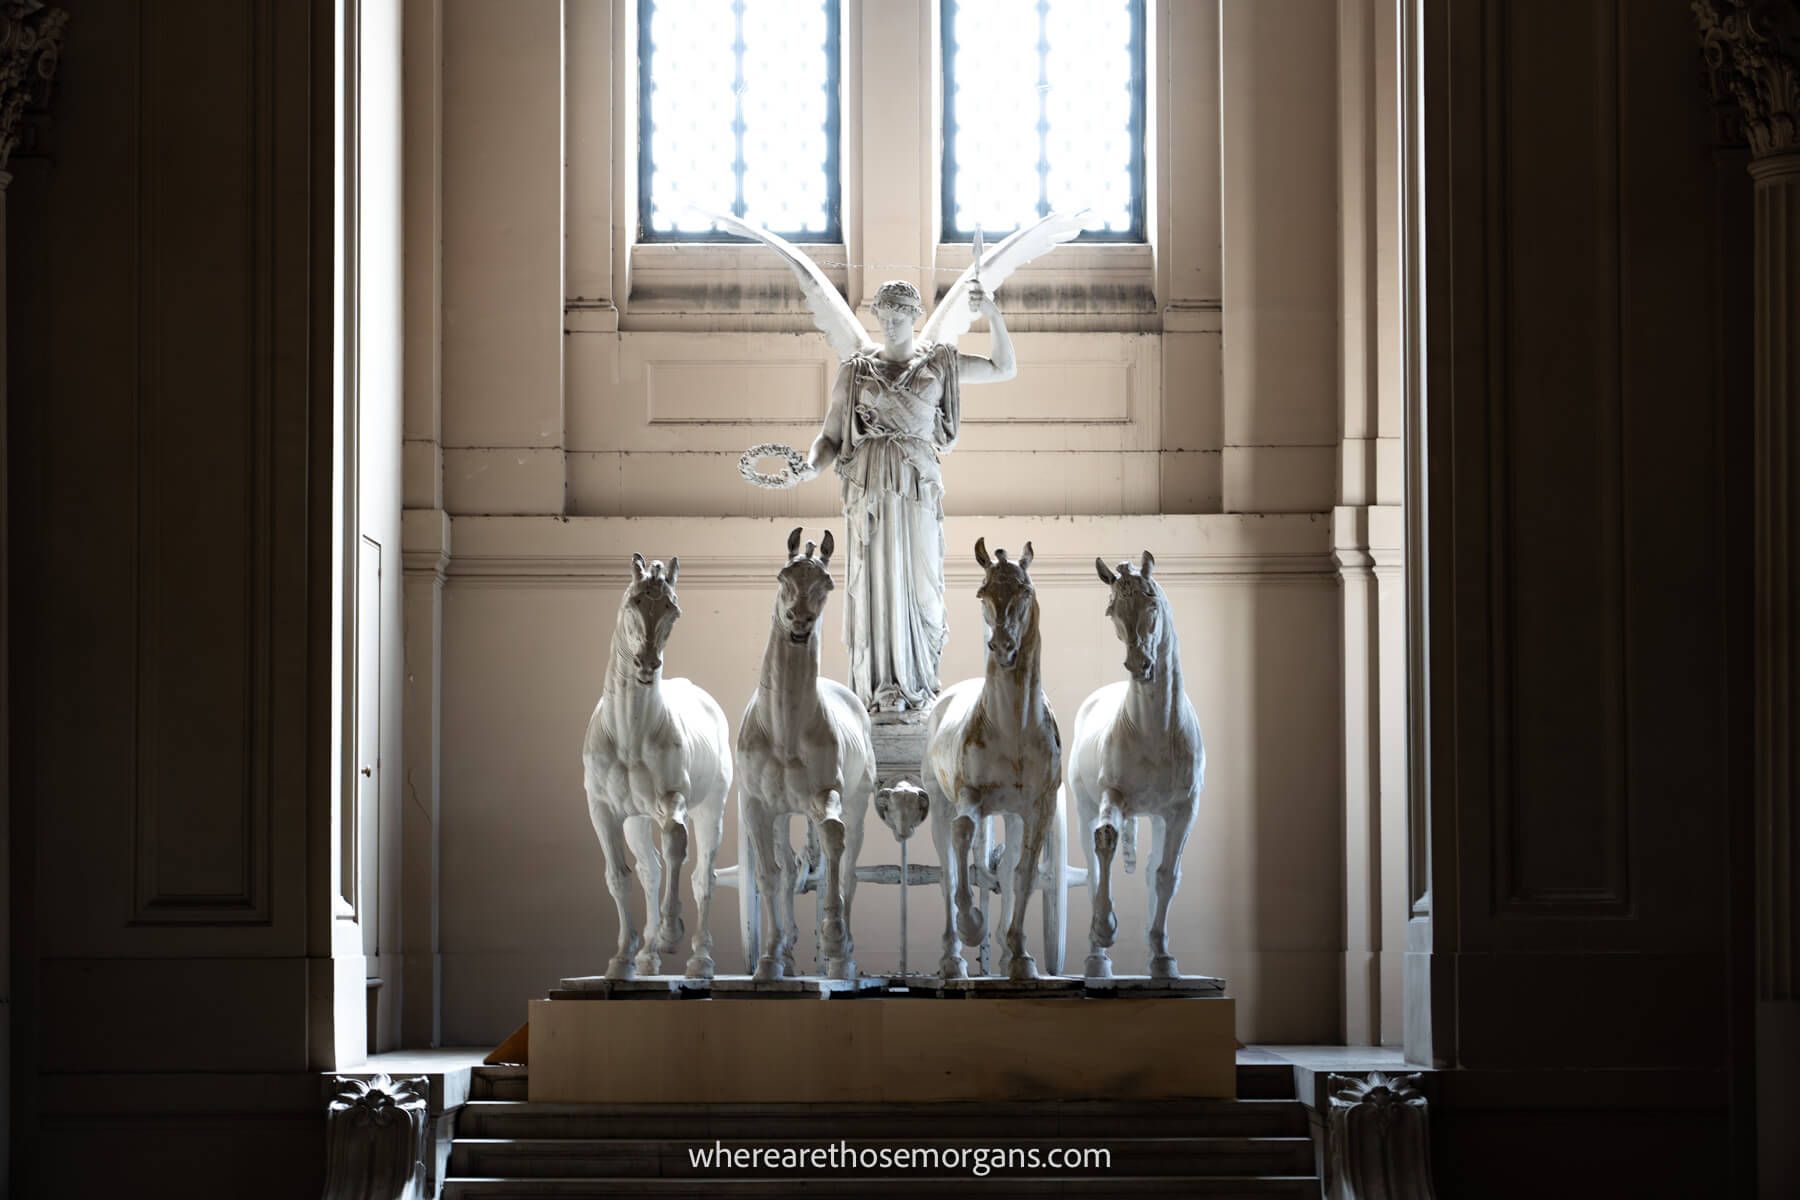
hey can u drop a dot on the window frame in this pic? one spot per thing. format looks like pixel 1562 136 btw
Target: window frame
pixel 833 232
pixel 1139 230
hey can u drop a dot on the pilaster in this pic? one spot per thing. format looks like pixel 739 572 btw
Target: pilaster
pixel 425 541
pixel 31 36
pixel 1752 53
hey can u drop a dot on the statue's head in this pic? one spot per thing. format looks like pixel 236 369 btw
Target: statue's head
pixel 649 613
pixel 1008 601
pixel 803 586
pixel 1136 611
pixel 897 305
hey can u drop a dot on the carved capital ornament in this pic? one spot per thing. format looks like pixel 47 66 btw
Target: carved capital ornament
pixel 31 36
pixel 1752 53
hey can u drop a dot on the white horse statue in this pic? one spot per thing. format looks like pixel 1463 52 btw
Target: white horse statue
pixel 1137 753
pixel 993 749
pixel 657 757
pixel 806 748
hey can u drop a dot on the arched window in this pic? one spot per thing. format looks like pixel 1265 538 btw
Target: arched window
pixel 1043 110
pixel 738 112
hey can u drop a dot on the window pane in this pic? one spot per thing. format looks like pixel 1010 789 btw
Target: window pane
pixel 786 115
pixel 739 114
pixel 691 105
pixel 1044 110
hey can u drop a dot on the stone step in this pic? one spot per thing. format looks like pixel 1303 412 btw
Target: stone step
pixel 671 1159
pixel 1255 1081
pixel 500 1119
pixel 1033 1187
pixel 499 1083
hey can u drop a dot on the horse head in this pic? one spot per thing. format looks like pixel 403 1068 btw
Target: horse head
pixel 648 614
pixel 1008 602
pixel 803 586
pixel 1137 613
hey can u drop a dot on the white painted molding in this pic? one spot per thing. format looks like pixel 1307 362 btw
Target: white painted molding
pixel 595 551
pixel 376 1139
pixel 425 541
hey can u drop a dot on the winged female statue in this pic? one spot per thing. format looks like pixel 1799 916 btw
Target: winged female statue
pixel 895 409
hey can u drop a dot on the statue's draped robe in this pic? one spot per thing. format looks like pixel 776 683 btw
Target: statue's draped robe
pixel 897 419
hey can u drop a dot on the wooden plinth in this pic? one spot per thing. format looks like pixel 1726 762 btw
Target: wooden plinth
pixel 879 1049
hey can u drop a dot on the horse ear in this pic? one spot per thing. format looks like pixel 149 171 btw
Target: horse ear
pixel 1025 558
pixel 638 568
pixel 1105 572
pixel 981 554
pixel 674 569
pixel 794 541
pixel 825 548
pixel 1149 563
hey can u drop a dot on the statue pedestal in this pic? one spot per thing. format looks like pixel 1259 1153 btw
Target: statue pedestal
pixel 882 1049
pixel 899 746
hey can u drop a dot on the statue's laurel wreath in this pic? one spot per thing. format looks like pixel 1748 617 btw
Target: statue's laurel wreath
pixel 796 466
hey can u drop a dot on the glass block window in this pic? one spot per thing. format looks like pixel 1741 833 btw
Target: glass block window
pixel 1043 111
pixel 738 113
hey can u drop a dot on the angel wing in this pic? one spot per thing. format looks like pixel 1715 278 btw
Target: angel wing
pixel 952 318
pixel 831 312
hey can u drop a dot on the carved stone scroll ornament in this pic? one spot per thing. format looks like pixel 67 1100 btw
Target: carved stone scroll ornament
pixel 31 36
pixel 1752 52
pixel 375 1139
pixel 1377 1140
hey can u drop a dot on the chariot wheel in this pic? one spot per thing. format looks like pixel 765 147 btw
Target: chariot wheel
pixel 749 903
pixel 1053 879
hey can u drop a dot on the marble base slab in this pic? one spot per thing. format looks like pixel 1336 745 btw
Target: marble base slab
pixel 883 1049
pixel 805 987
pixel 1143 987
pixel 993 987
pixel 646 987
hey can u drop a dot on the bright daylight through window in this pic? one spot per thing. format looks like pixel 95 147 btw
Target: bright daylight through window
pixel 738 113
pixel 1043 111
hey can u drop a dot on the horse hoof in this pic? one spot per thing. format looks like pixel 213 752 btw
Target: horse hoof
pixel 768 970
pixel 1163 967
pixel 840 968
pixel 788 969
pixel 671 939
pixel 649 963
pixel 971 926
pixel 1099 966
pixel 1105 929
pixel 1023 967
pixel 700 967
pixel 620 968
pixel 952 966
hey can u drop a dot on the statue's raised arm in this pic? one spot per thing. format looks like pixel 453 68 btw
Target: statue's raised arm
pixel 954 314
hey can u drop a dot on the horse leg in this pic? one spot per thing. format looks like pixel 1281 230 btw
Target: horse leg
pixel 769 877
pixel 609 827
pixel 833 936
pixel 708 829
pixel 1104 836
pixel 1087 807
pixel 1024 882
pixel 1012 827
pixel 856 816
pixel 674 828
pixel 971 925
pixel 642 839
pixel 790 929
pixel 1166 879
pixel 951 965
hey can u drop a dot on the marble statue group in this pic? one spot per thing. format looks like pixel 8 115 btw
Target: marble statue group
pixel 658 760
